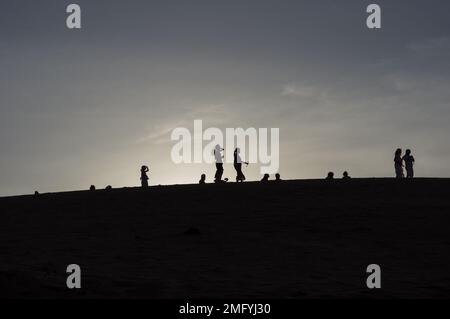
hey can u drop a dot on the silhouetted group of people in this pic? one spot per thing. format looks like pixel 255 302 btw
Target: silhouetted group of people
pixel 400 162
pixel 408 161
pixel 237 164
pixel 345 176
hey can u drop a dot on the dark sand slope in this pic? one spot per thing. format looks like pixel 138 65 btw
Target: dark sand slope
pixel 297 239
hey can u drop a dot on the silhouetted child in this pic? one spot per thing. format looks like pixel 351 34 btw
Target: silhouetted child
pixel 202 180
pixel 278 177
pixel 144 177
pixel 240 177
pixel 345 175
pixel 265 178
pixel 398 163
pixel 219 164
pixel 330 176
pixel 409 164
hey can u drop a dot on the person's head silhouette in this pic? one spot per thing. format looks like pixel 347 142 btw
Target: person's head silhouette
pixel 330 175
pixel 202 179
pixel 345 175
pixel 277 177
pixel 408 152
pixel 398 152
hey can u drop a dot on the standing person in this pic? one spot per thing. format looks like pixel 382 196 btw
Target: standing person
pixel 409 164
pixel 240 177
pixel 219 164
pixel 144 177
pixel 398 163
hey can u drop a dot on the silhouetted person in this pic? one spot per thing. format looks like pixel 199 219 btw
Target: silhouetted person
pixel 409 164
pixel 202 180
pixel 345 175
pixel 265 178
pixel 92 188
pixel 278 177
pixel 398 163
pixel 240 177
pixel 219 164
pixel 108 188
pixel 330 176
pixel 144 177
pixel 36 193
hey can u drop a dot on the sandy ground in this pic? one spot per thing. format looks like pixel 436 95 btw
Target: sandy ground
pixel 295 239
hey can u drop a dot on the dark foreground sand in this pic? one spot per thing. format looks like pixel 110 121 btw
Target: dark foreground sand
pixel 297 239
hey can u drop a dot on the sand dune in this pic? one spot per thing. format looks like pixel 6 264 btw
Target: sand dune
pixel 295 239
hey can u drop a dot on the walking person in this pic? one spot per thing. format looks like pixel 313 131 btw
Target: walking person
pixel 240 177
pixel 219 164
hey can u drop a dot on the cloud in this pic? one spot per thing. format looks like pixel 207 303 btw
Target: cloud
pixel 400 83
pixel 216 114
pixel 158 134
pixel 431 46
pixel 299 91
pixel 306 92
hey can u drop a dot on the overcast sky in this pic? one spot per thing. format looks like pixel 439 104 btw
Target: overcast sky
pixel 91 106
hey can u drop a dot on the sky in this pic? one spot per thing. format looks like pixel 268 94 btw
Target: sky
pixel 90 106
